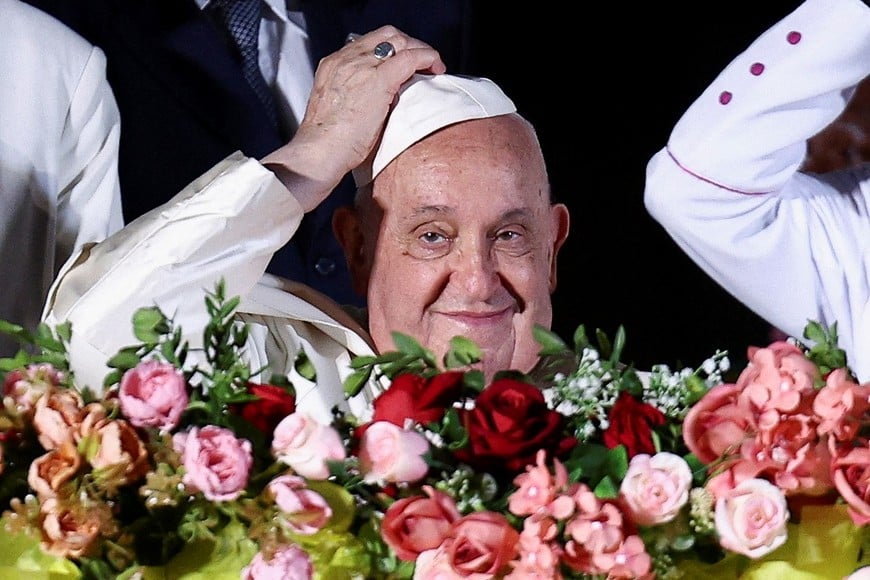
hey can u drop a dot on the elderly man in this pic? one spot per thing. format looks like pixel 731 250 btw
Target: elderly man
pixel 791 245
pixel 454 232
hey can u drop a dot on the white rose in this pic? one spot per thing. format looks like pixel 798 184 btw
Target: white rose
pixel 751 518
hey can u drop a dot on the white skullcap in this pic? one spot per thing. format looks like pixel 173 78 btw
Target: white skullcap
pixel 427 103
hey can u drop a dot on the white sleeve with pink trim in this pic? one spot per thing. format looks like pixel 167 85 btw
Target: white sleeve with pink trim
pixel 790 246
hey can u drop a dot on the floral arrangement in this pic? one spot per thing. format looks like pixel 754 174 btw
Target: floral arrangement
pixel 582 468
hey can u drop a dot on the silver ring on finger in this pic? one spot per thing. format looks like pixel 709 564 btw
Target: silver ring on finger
pixel 384 50
pixel 351 37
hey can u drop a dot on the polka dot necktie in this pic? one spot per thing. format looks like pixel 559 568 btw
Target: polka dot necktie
pixel 242 20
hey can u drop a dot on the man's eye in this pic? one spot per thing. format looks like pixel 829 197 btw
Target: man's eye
pixel 433 238
pixel 508 236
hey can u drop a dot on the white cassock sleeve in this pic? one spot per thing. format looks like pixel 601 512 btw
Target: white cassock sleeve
pixel 791 246
pixel 227 224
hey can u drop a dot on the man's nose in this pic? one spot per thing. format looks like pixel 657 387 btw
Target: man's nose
pixel 475 270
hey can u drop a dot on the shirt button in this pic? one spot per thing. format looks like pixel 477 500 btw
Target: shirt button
pixel 325 266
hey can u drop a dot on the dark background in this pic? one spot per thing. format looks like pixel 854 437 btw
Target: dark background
pixel 604 85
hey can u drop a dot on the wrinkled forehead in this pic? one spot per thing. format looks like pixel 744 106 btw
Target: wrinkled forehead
pixel 427 103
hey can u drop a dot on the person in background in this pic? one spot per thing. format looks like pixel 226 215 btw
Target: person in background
pixel 197 80
pixel 59 130
pixel 846 141
pixel 728 187
pixel 453 233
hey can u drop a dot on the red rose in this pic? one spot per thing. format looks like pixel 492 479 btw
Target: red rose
pixel 422 400
pixel 273 404
pixel 509 423
pixel 631 424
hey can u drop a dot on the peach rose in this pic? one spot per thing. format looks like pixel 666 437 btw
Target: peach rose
pixel 655 488
pixel 56 418
pixel 481 543
pixel 751 518
pixel 306 509
pixel 50 472
pixel 68 533
pixel 390 453
pixel 153 394
pixel 413 525
pixel 216 462
pixel 119 451
pixel 851 471
pixel 305 445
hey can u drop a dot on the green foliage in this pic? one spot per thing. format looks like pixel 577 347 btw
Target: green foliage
pixel 825 352
pixel 411 357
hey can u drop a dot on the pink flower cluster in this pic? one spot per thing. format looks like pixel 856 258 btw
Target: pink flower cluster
pixel 784 423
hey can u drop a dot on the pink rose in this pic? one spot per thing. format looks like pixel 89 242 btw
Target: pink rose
pixel 655 488
pixel 851 471
pixel 415 524
pixel 216 462
pixel 153 394
pixel 435 564
pixel 288 563
pixel 751 518
pixel 716 424
pixel 390 453
pixel 481 544
pixel 306 510
pixel 56 418
pixel 305 445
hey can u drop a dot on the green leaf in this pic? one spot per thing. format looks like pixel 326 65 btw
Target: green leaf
pixel 581 340
pixel 550 342
pixel 462 352
pixel 305 367
pixel 474 380
pixel 125 359
pixel 362 361
pixel 604 346
pixel 407 345
pixel 355 381
pixel 618 345
pixel 607 488
pixel 146 324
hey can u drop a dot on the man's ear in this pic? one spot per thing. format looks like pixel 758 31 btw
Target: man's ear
pixel 348 231
pixel 561 223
